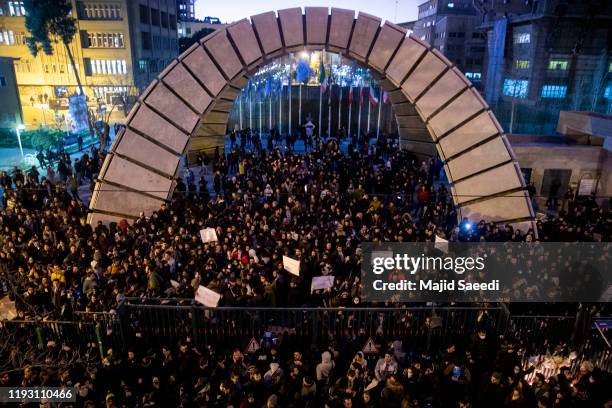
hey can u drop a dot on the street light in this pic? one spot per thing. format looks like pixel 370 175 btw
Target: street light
pixel 18 130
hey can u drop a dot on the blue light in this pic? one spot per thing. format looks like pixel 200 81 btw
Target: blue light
pixel 467 226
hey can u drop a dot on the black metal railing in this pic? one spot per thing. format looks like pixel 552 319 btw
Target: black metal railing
pixel 421 328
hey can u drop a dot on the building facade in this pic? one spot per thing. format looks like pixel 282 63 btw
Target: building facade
pixel 546 56
pixel 185 10
pixel 120 46
pixel 10 109
pixel 189 28
pixel 451 26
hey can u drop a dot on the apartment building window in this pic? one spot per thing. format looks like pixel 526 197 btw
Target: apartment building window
pixel 554 91
pixel 16 8
pixel 2 82
pixel 522 38
pixel 450 5
pixel 144 14
pixel 474 76
pixel 107 67
pixel 516 88
pixel 608 92
pixel 7 37
pixel 146 40
pixel 164 19
pixel 142 66
pixel 88 11
pixel 522 64
pixel 477 48
pixel 610 67
pixel 105 40
pixel 155 17
pixel 557 65
pixel 172 21
pixel 478 35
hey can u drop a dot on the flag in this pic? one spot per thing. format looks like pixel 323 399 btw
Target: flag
pixel 350 97
pixel 373 97
pixel 322 78
pixel 268 88
pixel 360 96
pixel 249 89
pixel 259 90
pixel 386 97
pixel 302 71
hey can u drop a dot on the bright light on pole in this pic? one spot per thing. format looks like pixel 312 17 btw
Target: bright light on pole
pixel 18 130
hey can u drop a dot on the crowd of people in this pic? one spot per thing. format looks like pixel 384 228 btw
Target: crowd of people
pixel 264 203
pixel 477 373
pixel 315 207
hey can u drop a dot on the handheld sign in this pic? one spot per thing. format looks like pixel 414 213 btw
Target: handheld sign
pixel 207 297
pixel 7 309
pixel 208 235
pixel 253 346
pixel 321 282
pixel 370 347
pixel 291 265
pixel 441 244
pixel 174 283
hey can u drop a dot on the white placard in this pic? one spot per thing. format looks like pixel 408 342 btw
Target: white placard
pixel 174 283
pixel 208 235
pixel 441 244
pixel 291 265
pixel 207 297
pixel 586 187
pixel 381 254
pixel 321 282
pixel 7 309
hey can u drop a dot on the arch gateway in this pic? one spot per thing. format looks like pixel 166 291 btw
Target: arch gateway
pixel 437 109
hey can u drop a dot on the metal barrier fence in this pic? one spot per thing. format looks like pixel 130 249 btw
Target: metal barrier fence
pixel 102 329
pixel 419 327
pixel 138 322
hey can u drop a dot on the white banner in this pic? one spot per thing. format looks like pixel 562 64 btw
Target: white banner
pixel 207 297
pixel 291 265
pixel 208 235
pixel 321 282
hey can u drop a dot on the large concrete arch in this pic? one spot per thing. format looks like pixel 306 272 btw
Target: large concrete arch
pixel 188 105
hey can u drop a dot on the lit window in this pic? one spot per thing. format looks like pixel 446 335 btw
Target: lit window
pixel 522 38
pixel 473 75
pixel 516 87
pixel 610 67
pixel 557 65
pixel 608 92
pixel 16 8
pixel 554 91
pixel 451 5
pixel 522 64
